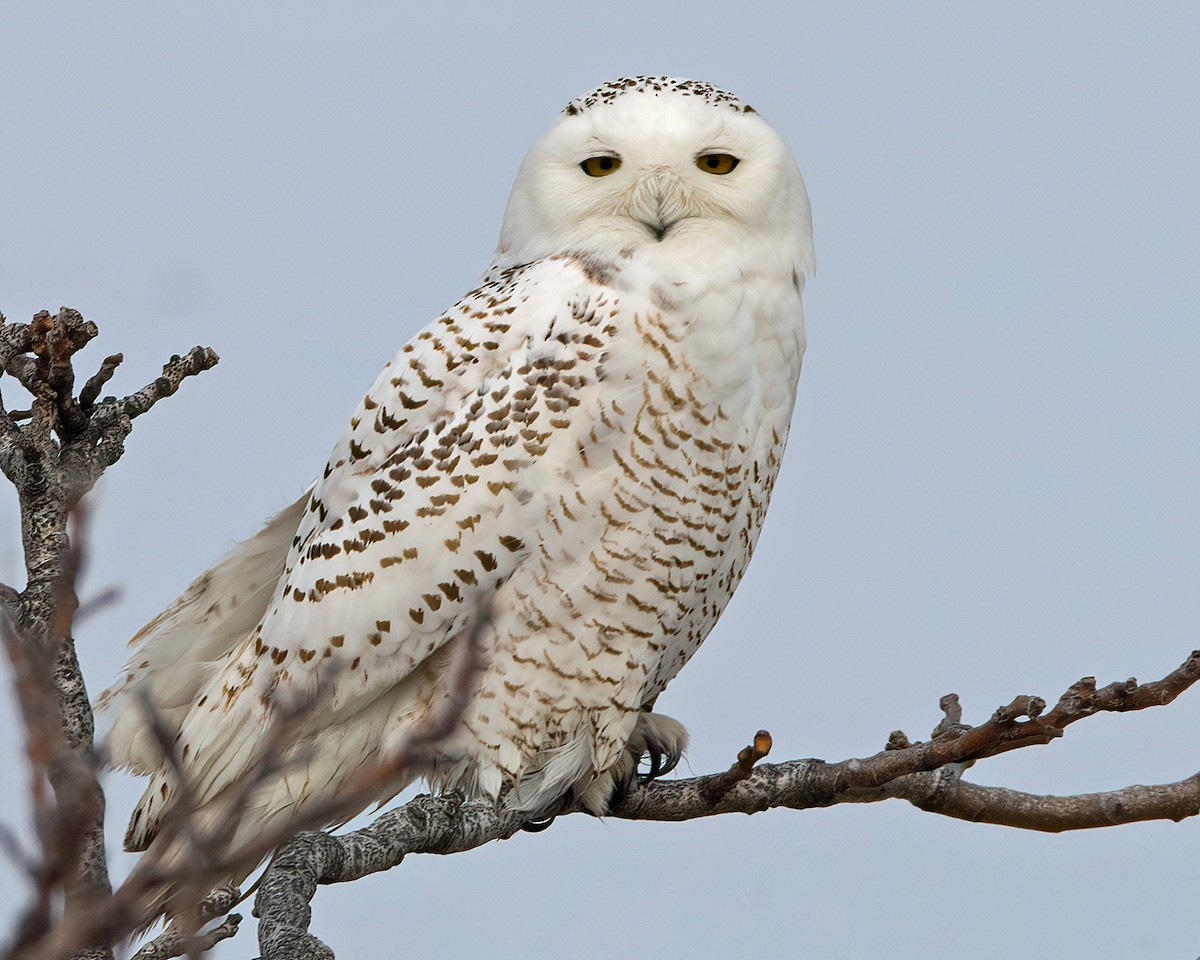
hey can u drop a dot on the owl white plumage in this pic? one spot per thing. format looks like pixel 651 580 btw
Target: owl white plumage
pixel 571 465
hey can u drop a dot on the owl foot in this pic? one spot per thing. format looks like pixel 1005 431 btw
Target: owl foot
pixel 656 738
pixel 661 741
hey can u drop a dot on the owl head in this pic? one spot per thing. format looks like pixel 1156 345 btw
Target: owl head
pixel 659 167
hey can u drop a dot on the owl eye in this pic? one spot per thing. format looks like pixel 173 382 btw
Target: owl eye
pixel 718 163
pixel 600 166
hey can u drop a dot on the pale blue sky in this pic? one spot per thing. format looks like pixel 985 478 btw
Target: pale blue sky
pixel 992 480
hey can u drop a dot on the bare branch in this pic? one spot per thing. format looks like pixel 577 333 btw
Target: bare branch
pixel 95 604
pixel 801 784
pixel 175 371
pixel 211 858
pixel 363 788
pixel 10 602
pixel 441 825
pixel 53 457
pixel 954 797
pixel 91 390
pixel 54 453
pixel 928 775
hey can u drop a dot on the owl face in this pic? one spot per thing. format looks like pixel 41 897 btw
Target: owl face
pixel 651 166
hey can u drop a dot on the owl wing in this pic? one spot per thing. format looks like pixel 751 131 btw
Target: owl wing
pixel 176 653
pixel 431 500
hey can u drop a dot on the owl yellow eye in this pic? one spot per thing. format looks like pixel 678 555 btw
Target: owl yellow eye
pixel 600 166
pixel 718 163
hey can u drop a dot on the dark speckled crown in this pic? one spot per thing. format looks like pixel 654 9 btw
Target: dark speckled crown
pixel 608 92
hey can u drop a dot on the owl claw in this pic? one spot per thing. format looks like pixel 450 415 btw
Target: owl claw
pixel 660 764
pixel 671 763
pixel 549 814
pixel 655 770
pixel 537 826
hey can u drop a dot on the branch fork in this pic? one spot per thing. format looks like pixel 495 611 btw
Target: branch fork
pixel 53 452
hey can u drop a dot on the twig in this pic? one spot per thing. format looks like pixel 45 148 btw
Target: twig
pixel 95 604
pixel 364 788
pixel 91 390
pixel 802 784
pixel 210 854
pixel 175 371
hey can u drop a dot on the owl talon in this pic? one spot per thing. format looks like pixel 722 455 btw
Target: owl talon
pixel 671 763
pixel 537 826
pixel 656 768
pixel 564 804
pixel 661 741
pixel 660 764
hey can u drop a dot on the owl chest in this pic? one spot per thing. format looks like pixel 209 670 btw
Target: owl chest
pixel 679 517
pixel 690 463
pixel 695 466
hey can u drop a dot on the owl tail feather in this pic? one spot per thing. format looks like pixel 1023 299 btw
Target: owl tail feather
pixel 556 772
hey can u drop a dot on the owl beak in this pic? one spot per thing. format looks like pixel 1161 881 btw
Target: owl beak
pixel 659 200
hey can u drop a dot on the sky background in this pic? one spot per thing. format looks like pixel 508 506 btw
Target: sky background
pixel 992 481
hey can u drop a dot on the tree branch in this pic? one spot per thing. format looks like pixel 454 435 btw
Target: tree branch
pixel 53 455
pixel 441 825
pixel 175 371
pixel 938 792
pixel 173 944
pixel 927 775
pixel 211 857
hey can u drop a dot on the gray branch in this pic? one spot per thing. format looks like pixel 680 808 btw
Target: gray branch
pixel 927 775
pixel 441 825
pixel 175 371
pixel 53 453
pixel 961 800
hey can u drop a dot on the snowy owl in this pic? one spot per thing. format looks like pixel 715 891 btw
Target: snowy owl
pixel 570 467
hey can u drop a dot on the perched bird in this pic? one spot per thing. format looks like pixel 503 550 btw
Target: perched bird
pixel 569 469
